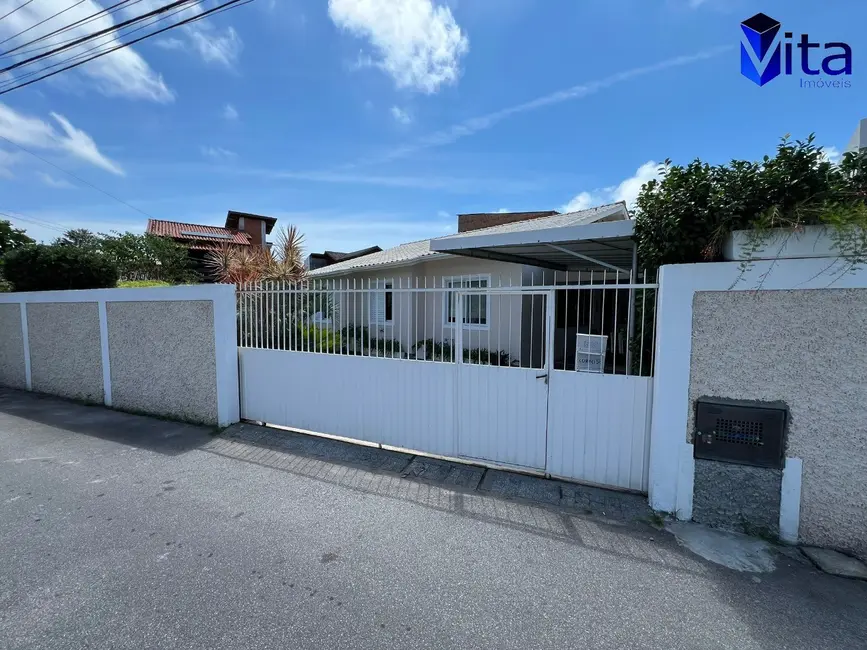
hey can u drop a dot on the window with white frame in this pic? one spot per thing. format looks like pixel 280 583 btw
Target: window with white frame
pixel 476 305
pixel 382 303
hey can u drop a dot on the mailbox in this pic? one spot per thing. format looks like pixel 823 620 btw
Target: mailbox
pixel 740 432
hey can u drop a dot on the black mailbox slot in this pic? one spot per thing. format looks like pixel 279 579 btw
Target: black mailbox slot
pixel 739 432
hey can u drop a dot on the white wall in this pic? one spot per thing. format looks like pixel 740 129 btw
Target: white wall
pixel 672 466
pixel 156 335
pixel 418 316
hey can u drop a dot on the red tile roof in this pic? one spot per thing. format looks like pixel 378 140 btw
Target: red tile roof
pixel 197 235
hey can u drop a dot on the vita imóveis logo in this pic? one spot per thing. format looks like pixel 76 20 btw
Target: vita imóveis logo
pixel 765 54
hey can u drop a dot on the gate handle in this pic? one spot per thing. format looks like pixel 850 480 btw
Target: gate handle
pixel 545 377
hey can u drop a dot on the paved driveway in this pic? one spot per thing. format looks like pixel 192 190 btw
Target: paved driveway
pixel 124 532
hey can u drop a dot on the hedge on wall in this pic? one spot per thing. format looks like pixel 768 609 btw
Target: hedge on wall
pixel 686 215
pixel 48 268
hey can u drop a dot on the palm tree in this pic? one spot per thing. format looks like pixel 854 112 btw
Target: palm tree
pixel 241 265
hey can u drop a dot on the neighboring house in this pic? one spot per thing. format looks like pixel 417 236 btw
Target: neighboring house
pixel 241 229
pixel 858 142
pixel 406 293
pixel 321 260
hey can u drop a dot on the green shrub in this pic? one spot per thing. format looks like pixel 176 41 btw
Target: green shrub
pixel 47 268
pixel 314 339
pixel 141 284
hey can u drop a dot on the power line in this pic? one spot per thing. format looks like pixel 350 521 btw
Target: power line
pixel 81 55
pixel 219 9
pixel 88 37
pixel 35 222
pixel 24 31
pixel 78 23
pixel 78 178
pixel 21 6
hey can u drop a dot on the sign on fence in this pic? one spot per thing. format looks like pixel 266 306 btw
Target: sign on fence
pixel 590 352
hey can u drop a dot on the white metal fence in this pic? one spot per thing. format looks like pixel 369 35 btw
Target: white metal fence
pixel 591 322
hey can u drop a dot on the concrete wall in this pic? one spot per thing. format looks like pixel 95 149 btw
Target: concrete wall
pixel 65 352
pixel 13 372
pixel 799 339
pixel 165 351
pixel 807 348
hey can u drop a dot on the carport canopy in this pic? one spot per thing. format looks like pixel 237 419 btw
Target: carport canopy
pixel 589 246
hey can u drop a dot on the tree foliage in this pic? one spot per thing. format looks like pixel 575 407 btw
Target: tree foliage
pixel 142 257
pixel 12 238
pixel 687 214
pixel 50 267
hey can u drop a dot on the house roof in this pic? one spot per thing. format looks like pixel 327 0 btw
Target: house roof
pixel 232 217
pixel 478 220
pixel 197 235
pixel 439 247
pixel 335 256
pixel 390 257
pixel 608 212
pixel 600 237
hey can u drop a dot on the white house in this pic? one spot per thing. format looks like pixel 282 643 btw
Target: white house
pixel 455 290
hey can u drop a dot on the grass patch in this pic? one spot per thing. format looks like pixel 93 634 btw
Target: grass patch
pixel 142 284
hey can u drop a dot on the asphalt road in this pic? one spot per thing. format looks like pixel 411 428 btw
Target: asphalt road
pixel 118 531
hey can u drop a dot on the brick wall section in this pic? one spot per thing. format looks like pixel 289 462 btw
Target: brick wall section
pixel 476 221
pixel 253 227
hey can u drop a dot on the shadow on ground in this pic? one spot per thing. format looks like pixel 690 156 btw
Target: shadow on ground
pixel 162 436
pixel 615 524
pixel 611 522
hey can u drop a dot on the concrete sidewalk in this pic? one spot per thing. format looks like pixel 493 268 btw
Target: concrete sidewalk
pixel 328 459
pixel 127 532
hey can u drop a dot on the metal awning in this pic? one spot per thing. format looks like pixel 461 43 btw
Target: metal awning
pixel 601 245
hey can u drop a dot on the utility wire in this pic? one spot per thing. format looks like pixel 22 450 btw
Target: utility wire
pixel 218 9
pixel 24 31
pixel 95 34
pixel 21 6
pixel 78 23
pixel 76 177
pixel 36 222
pixel 83 54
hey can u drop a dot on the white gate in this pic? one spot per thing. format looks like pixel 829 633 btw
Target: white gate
pixel 503 411
pixel 460 369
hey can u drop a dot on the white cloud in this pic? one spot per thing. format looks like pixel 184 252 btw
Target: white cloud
pixel 581 201
pixel 626 191
pixel 211 44
pixel 123 73
pixel 503 211
pixel 218 153
pixel 170 43
pixel 474 125
pixel 57 183
pixel 81 145
pixel 453 184
pixel 832 154
pixel 7 160
pixel 33 132
pixel 415 41
pixel 230 113
pixel 400 115
pixel 223 48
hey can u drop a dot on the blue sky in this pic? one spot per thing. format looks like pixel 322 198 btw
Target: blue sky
pixel 376 121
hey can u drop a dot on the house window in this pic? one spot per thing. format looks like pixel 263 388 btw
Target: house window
pixel 382 303
pixel 476 305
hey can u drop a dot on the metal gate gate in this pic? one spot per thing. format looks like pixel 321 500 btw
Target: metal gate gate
pixel 459 368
